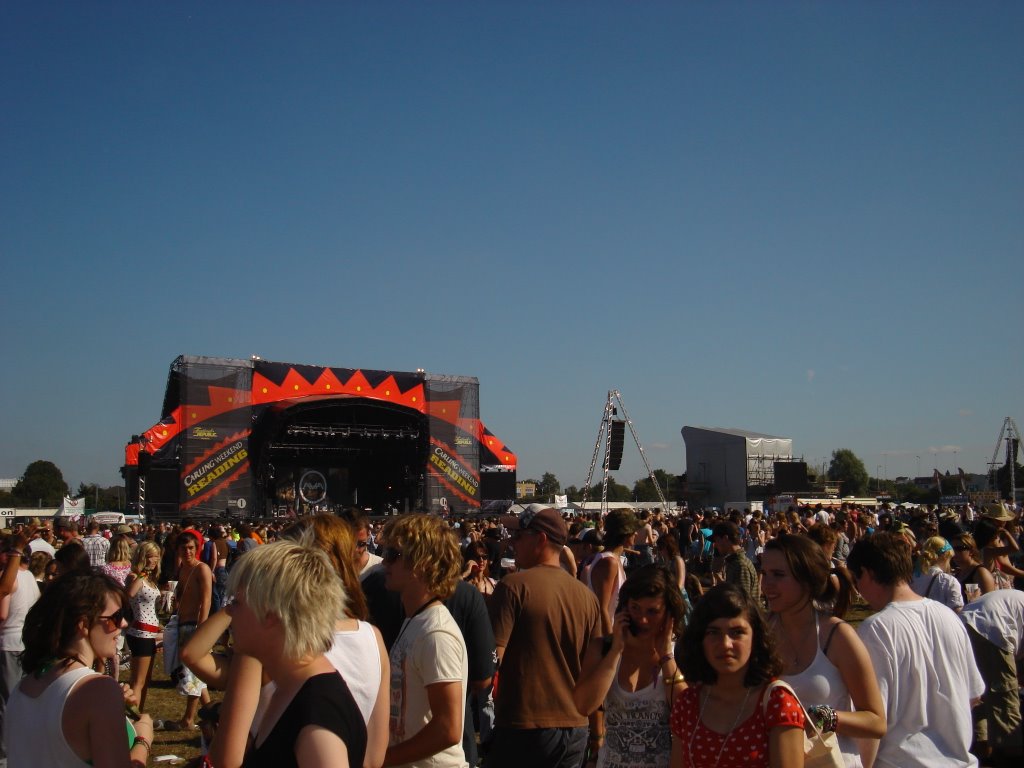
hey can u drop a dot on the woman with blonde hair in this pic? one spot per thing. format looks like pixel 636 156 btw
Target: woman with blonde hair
pixel 119 560
pixel 357 653
pixel 142 586
pixel 936 582
pixel 286 602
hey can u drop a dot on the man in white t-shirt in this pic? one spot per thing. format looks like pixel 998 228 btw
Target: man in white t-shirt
pixel 13 609
pixel 995 625
pixel 429 662
pixel 922 658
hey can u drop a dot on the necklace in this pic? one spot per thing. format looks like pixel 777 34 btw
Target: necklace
pixel 728 734
pixel 418 611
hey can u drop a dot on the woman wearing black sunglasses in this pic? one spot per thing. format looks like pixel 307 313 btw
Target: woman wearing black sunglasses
pixel 63 713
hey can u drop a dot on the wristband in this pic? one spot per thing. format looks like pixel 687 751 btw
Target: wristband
pixel 667 657
pixel 140 740
pixel 678 677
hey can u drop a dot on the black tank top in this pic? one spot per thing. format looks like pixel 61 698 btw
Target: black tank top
pixel 323 700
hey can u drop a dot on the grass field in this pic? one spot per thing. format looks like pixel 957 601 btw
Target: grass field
pixel 164 703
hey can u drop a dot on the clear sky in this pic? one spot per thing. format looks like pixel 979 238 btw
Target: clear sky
pixel 804 219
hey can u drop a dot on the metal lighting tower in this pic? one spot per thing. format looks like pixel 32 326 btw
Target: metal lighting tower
pixel 605 432
pixel 1011 435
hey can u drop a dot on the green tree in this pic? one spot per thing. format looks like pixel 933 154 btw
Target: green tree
pixel 848 470
pixel 573 493
pixel 643 489
pixel 616 491
pixel 42 483
pixel 548 486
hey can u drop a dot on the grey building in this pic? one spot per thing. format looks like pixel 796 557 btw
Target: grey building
pixel 724 465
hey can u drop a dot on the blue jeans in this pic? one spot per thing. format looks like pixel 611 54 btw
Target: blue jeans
pixel 220 588
pixel 537 747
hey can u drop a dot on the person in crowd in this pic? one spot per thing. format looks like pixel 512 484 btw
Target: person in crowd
pixel 192 599
pixel 668 556
pixel 365 558
pixel 586 546
pixel 756 538
pixel 96 545
pixel 824 661
pixel 826 538
pixel 643 542
pixel 997 544
pixel 142 587
pixel 13 609
pixel 71 557
pixel 544 620
pixel 608 572
pixel 40 536
pixel 429 664
pixel 215 555
pixel 739 570
pixel 357 653
pixel 63 714
pixel 969 570
pixel 286 600
pixel 37 565
pixel 634 675
pixel 466 605
pixel 728 658
pixel 119 559
pixel 922 658
pixel 247 539
pixel 66 531
pixel 477 569
pixel 935 581
pixel 995 625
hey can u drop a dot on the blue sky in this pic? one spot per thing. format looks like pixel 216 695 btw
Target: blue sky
pixel 804 219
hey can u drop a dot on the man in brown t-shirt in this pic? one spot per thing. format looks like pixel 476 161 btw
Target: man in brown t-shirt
pixel 543 620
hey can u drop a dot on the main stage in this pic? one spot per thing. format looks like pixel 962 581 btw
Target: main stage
pixel 255 438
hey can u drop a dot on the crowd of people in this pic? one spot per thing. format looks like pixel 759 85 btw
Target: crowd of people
pixel 657 639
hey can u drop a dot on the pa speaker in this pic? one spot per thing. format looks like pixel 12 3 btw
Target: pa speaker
pixel 616 439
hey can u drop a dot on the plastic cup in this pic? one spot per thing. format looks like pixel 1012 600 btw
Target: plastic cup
pixel 973 592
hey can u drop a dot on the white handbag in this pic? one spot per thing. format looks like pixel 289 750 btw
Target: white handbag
pixel 821 750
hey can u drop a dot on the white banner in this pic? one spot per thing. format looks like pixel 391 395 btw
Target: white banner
pixel 561 501
pixel 72 507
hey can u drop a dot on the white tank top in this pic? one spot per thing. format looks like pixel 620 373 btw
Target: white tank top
pixel 822 683
pixel 35 735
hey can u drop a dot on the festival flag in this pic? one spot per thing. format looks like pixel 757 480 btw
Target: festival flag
pixel 963 480
pixel 938 481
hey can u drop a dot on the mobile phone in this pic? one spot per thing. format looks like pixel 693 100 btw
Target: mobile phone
pixel 633 628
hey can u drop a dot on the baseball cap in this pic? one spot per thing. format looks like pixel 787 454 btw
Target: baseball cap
pixel 537 517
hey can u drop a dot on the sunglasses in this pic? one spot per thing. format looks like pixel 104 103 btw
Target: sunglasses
pixel 962 548
pixel 114 620
pixel 391 555
pixel 362 544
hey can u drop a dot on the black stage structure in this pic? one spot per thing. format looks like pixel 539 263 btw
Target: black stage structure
pixel 255 439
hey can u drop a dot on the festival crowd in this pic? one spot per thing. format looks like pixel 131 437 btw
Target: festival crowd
pixel 838 636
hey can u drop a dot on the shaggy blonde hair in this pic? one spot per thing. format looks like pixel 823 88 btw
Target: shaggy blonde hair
pixel 294 581
pixel 429 548
pixel 144 550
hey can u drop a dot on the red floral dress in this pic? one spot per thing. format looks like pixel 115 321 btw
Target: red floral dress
pixel 746 745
